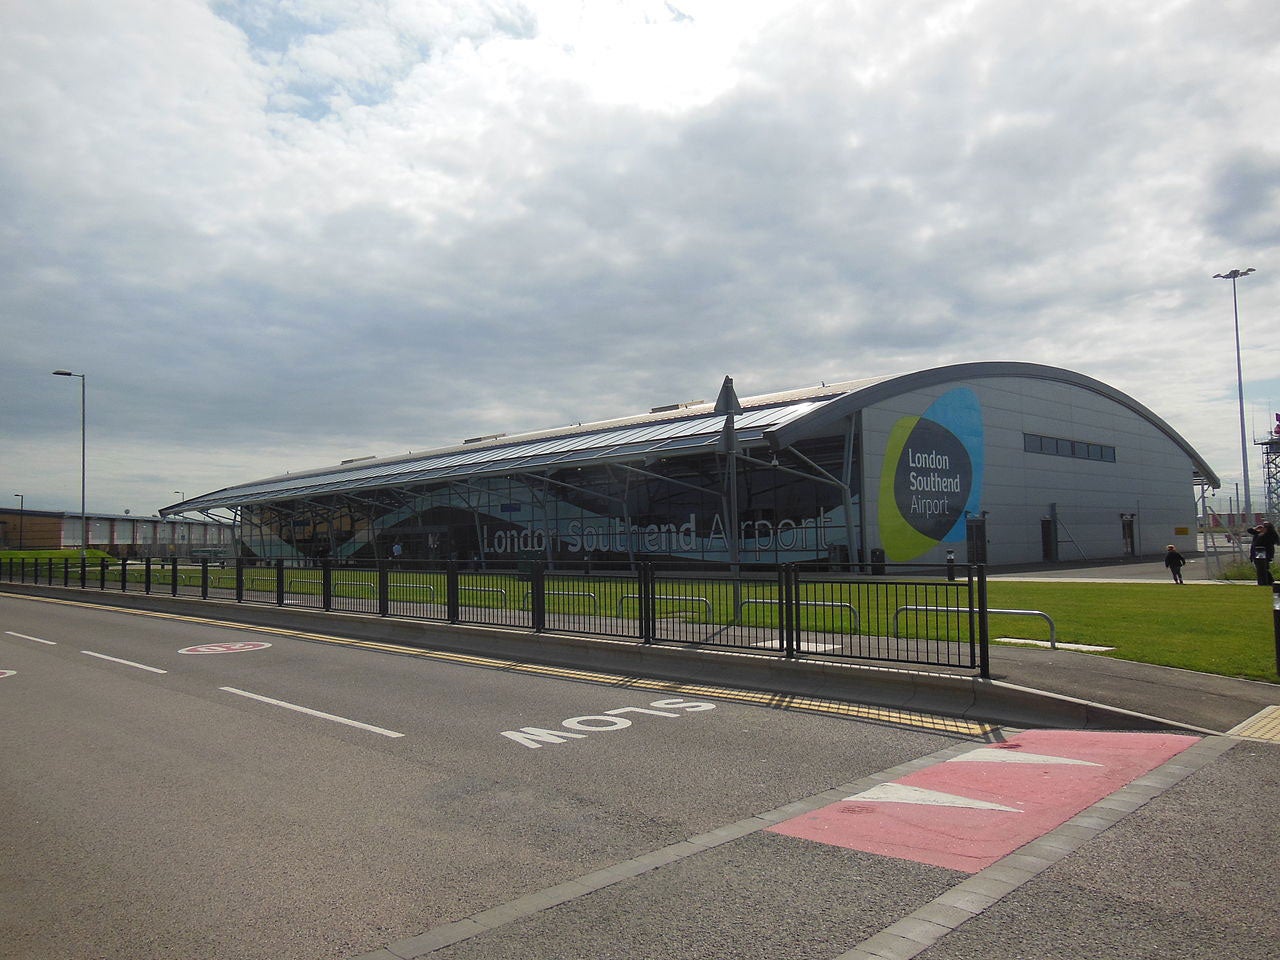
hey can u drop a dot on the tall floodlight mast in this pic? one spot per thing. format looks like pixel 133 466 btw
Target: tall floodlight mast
pixel 1233 276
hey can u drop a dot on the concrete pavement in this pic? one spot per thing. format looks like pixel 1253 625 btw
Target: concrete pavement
pixel 1198 700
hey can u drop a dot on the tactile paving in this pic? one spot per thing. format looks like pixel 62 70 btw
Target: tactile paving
pixel 1263 725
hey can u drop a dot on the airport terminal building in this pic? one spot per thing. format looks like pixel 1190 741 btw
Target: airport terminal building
pixel 1001 462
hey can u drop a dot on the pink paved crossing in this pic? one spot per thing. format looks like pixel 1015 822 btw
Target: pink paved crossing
pixel 970 811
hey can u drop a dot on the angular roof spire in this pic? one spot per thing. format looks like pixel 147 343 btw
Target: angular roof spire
pixel 727 403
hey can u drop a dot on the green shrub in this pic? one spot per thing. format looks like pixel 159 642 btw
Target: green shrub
pixel 1245 571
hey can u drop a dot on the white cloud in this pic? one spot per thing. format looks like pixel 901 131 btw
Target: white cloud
pixel 278 234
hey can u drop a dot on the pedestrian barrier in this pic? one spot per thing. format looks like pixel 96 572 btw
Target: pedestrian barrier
pixel 853 611
pixel 595 604
pixel 496 590
pixel 1053 641
pixel 350 584
pixel 431 590
pixel 667 598
pixel 832 611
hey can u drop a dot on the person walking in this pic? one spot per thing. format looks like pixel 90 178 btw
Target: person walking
pixel 1262 550
pixel 1174 561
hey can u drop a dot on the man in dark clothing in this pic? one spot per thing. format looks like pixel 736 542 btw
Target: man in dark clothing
pixel 1173 560
pixel 1263 550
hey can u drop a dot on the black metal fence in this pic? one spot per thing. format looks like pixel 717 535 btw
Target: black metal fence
pixel 900 614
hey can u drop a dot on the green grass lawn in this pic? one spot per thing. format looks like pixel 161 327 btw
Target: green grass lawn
pixel 1223 628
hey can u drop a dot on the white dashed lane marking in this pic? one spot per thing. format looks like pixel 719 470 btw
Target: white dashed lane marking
pixel 312 713
pixel 127 663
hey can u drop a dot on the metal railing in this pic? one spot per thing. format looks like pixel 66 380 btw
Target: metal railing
pixel 1002 611
pixel 899 614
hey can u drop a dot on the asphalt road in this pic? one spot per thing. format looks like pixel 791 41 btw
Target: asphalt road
pixel 163 804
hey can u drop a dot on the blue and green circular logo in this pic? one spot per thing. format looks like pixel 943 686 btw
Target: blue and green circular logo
pixel 932 476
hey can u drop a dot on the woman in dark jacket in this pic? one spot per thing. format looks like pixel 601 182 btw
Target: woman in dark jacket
pixel 1263 550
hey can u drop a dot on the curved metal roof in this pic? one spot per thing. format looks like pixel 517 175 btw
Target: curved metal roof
pixel 779 419
pixel 887 387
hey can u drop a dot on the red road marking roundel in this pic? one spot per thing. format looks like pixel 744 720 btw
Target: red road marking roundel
pixel 239 646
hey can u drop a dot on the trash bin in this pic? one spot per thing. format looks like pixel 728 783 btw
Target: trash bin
pixel 877 562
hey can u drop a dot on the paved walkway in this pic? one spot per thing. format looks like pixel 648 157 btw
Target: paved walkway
pixel 1199 699
pixel 1199 568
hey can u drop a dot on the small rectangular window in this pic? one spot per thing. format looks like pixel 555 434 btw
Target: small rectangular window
pixel 1060 447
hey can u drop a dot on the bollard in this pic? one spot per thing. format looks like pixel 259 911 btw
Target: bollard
pixel 951 565
pixel 1275 620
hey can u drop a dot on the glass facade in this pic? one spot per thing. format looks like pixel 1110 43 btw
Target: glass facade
pixel 674 507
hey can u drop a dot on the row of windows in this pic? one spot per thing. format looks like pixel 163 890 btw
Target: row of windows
pixel 1055 446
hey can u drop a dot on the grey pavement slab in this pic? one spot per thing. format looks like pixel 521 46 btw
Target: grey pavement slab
pixel 764 896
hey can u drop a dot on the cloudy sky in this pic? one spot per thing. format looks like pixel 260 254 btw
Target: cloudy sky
pixel 276 235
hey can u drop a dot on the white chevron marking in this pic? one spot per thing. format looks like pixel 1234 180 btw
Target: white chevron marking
pixel 900 793
pixel 995 755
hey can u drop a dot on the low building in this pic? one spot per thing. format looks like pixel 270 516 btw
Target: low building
pixel 120 535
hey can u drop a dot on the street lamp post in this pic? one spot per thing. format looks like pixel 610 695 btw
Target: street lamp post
pixel 84 525
pixel 1233 276
pixel 21 510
